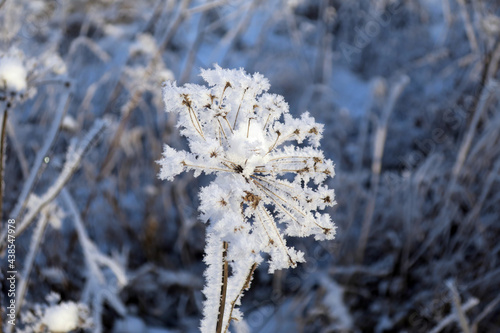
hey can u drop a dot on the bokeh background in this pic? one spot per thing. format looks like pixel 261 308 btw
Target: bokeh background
pixel 408 92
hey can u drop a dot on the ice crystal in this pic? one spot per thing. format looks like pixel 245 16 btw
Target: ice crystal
pixel 269 174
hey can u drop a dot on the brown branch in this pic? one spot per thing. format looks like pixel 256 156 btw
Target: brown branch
pixel 223 289
pixel 2 158
pixel 243 288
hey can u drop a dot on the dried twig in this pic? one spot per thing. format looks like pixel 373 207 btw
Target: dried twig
pixel 49 141
pixel 452 317
pixel 492 86
pixel 378 152
pixel 73 159
pixel 223 291
pixel 457 305
pixel 469 29
pixel 2 158
pixel 36 240
pixel 245 286
pixel 487 310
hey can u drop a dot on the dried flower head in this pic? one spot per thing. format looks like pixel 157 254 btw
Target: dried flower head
pixel 13 75
pixel 268 167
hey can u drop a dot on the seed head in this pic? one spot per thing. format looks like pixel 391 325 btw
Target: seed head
pixel 271 187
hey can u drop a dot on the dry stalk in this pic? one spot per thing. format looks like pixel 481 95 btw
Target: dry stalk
pixel 453 317
pixel 489 308
pixel 459 311
pixel 133 102
pixel 378 152
pixel 245 286
pixel 469 29
pixel 2 158
pixel 492 86
pixel 223 291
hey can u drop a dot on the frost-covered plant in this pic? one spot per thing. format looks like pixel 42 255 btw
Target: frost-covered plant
pixel 13 76
pixel 17 75
pixel 56 317
pixel 102 285
pixel 266 186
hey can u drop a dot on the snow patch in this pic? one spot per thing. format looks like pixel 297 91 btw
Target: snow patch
pixel 62 317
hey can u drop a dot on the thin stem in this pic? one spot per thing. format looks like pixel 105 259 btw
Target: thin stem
pixel 208 168
pixel 290 161
pixel 267 120
pixel 37 166
pixel 286 202
pixel 261 219
pixel 222 95
pixel 272 182
pixel 293 157
pixel 206 7
pixel 274 145
pixel 228 85
pixel 267 192
pixel 223 290
pixel 36 240
pixel 222 129
pixel 291 207
pixel 193 117
pixel 245 286
pixel 239 107
pixel 73 160
pixel 459 312
pixel 136 96
pixel 248 128
pixel 378 153
pixel 2 158
pixel 292 170
pixel 278 142
pixel 228 124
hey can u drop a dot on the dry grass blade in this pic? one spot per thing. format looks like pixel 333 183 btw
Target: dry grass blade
pixel 491 89
pixel 487 310
pixel 457 306
pixel 49 141
pixel 469 29
pixel 378 151
pixel 72 163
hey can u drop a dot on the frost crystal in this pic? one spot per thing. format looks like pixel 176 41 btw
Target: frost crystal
pixel 268 171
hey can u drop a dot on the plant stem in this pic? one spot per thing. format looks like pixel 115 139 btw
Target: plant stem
pixel 223 290
pixel 245 286
pixel 2 149
pixel 36 241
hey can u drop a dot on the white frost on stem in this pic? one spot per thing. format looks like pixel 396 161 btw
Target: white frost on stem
pixel 98 288
pixel 74 156
pixel 213 275
pixel 50 136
